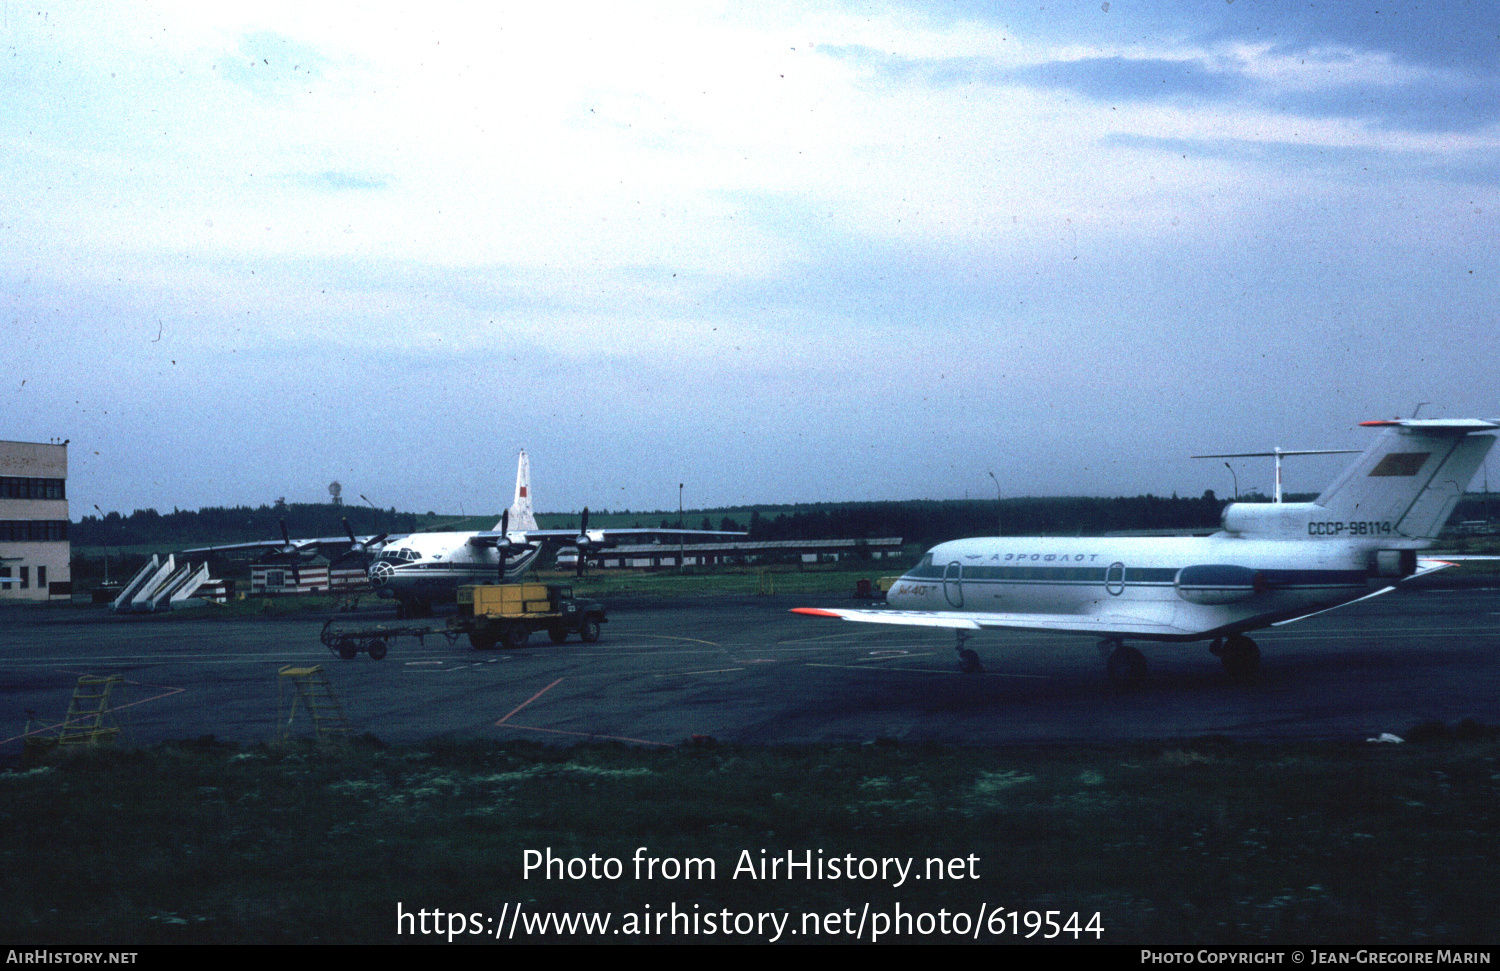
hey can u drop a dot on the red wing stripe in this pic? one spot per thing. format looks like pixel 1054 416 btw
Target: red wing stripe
pixel 814 612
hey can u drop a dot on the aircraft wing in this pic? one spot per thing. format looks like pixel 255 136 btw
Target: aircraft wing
pixel 532 535
pixel 1425 565
pixel 295 546
pixel 1103 625
pixel 1442 561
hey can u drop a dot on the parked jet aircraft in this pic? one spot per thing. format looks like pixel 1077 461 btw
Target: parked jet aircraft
pixel 1271 564
pixel 419 569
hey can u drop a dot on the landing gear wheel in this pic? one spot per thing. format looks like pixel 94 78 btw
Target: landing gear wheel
pixel 1240 656
pixel 377 649
pixel 481 640
pixel 968 662
pixel 516 635
pixel 347 649
pixel 589 630
pixel 1127 667
pixel 558 634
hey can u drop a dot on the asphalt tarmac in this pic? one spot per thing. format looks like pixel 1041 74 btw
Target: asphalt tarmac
pixel 746 670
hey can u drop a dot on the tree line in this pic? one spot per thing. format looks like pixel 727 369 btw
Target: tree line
pixel 922 522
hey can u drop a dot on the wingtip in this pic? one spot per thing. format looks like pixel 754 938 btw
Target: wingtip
pixel 813 612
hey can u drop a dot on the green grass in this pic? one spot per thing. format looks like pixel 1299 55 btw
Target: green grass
pixel 825 579
pixel 1207 842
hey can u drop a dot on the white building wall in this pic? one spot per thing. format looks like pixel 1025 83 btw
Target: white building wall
pixel 45 565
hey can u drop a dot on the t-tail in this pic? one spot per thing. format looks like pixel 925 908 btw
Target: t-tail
pixel 520 515
pixel 1400 491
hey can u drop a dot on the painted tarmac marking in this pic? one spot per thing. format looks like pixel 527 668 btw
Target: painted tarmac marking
pixel 668 637
pixel 610 738
pixel 681 674
pixel 985 674
pixel 529 701
pixel 844 635
pixel 558 731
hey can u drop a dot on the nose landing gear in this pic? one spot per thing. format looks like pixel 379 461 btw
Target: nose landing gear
pixel 968 661
pixel 1126 665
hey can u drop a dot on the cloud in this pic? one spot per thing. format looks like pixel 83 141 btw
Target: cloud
pixel 338 181
pixel 272 65
pixel 1143 79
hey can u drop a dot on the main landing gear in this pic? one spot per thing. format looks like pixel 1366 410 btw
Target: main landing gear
pixel 1239 654
pixel 968 661
pixel 412 609
pixel 1126 665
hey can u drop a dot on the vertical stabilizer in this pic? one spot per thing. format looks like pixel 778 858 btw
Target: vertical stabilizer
pixel 1411 477
pixel 521 516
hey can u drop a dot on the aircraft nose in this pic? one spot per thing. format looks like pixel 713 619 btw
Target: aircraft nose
pixel 380 573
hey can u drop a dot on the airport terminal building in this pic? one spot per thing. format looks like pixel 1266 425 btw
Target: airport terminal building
pixel 34 548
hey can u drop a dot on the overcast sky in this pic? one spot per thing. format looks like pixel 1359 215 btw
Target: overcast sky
pixel 779 253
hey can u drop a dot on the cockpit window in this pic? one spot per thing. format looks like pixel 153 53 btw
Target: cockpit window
pixel 403 555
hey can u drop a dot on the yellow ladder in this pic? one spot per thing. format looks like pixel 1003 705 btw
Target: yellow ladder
pixel 85 722
pixel 308 688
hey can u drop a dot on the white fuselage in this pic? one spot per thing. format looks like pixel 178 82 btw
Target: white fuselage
pixel 1238 583
pixel 431 566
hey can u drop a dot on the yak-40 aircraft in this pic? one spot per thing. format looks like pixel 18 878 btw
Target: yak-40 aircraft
pixel 1271 564
pixel 420 569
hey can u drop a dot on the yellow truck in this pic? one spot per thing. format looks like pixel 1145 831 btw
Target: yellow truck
pixel 507 613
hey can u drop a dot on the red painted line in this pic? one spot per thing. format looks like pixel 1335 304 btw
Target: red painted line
pixel 612 738
pixel 528 701
pixel 169 691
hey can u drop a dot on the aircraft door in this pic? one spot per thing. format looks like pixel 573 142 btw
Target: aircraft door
pixel 1114 579
pixel 953 583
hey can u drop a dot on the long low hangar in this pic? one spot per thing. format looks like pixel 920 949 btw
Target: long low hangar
pixel 649 555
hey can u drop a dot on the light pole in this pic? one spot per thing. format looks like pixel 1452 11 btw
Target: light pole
pixel 681 540
pixel 998 530
pixel 106 543
pixel 1236 481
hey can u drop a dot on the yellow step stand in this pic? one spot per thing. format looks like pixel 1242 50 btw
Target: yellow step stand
pixel 308 689
pixel 85 724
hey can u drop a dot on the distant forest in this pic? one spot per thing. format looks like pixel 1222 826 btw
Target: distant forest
pixel 921 522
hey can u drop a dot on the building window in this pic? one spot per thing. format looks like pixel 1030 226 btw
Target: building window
pixel 27 487
pixel 41 577
pixel 25 578
pixel 33 531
